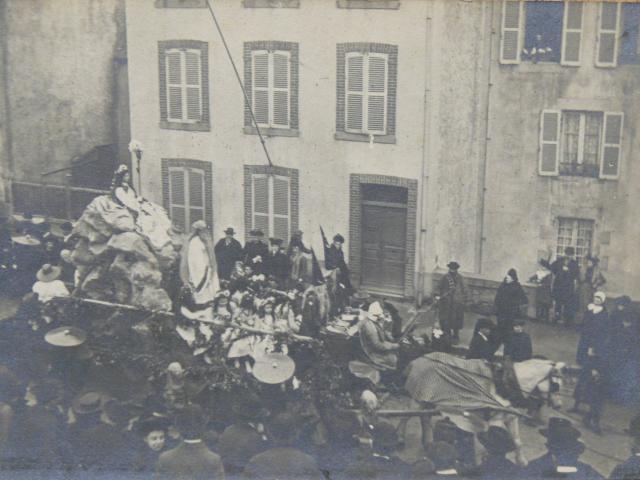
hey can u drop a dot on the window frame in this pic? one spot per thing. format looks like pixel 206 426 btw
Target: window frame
pixel 164 47
pixel 575 231
pixel 172 164
pixel 581 142
pixel 616 36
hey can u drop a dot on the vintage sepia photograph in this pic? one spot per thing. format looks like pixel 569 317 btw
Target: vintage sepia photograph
pixel 319 239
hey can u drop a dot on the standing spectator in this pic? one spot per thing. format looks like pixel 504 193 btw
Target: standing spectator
pixel 283 461
pixel 624 353
pixel 451 296
pixel 277 264
pixel 566 272
pixel 255 252
pixel 508 304
pixel 498 443
pixel 153 431
pixel 68 237
pixel 593 392
pixel 296 240
pixel 228 251
pixel 630 469
pixel 595 330
pixel 191 459
pixel 591 280
pixel 518 347
pixel 483 344
pixel 300 266
pixel 544 299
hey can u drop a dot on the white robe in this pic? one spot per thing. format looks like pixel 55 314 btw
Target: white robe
pixel 202 279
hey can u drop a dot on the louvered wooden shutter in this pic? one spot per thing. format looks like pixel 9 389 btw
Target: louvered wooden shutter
pixel 611 145
pixel 280 216
pixel 174 84
pixel 377 94
pixel 280 90
pixel 260 69
pixel 354 92
pixel 193 85
pixel 608 24
pixel 549 143
pixel 177 205
pixel 512 12
pixel 196 195
pixel 572 33
pixel 260 203
pixel 630 37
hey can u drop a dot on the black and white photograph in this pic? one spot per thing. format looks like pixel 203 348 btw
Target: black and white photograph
pixel 319 239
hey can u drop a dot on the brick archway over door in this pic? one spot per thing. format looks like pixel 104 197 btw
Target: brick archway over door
pixel 355 223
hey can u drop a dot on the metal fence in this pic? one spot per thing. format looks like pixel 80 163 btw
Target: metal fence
pixel 53 201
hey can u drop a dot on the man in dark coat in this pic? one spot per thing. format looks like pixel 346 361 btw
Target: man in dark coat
pixel 566 273
pixel 283 460
pixel 509 304
pixel 334 259
pixel 296 240
pixel 255 252
pixel 191 460
pixel 277 263
pixel 483 344
pixel 563 453
pixel 498 443
pixel 630 469
pixel 451 296
pixel 624 353
pixel 228 251
pixel 518 346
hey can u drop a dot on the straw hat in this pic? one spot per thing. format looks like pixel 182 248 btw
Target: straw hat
pixel 273 368
pixel 27 240
pixel 65 337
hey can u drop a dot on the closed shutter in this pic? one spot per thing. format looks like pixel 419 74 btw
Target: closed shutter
pixel 281 207
pixel 354 92
pixel 196 195
pixel 512 11
pixel 611 145
pixel 630 36
pixel 271 203
pixel 193 85
pixel 177 206
pixel 260 69
pixel 260 203
pixel 377 94
pixel 608 25
pixel 174 84
pixel 572 33
pixel 549 143
pixel 280 63
pixel 184 85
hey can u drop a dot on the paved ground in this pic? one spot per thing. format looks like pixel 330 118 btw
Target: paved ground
pixel 556 343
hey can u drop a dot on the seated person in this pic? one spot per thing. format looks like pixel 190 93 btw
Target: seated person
pixel 377 342
pixel 483 345
pixel 48 285
pixel 518 344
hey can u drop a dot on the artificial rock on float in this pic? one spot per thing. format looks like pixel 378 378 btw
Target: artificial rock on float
pixel 121 257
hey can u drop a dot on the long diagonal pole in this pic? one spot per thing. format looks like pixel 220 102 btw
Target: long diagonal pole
pixel 246 97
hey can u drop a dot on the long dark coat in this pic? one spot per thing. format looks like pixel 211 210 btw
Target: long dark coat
pixel 545 467
pixel 595 334
pixel 509 301
pixel 564 279
pixel 518 347
pixel 453 293
pixel 252 249
pixel 623 357
pixel 227 256
pixel 277 266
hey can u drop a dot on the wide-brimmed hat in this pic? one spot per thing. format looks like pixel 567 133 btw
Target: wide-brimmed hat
pixel 230 231
pixel 87 403
pixel 66 337
pixel 453 265
pixel 27 240
pixel 48 273
pixel 497 440
pixel 273 368
pixel 152 424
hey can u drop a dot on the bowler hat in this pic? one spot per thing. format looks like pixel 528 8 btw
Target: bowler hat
pixel 497 440
pixel 453 265
pixel 230 231
pixel 338 238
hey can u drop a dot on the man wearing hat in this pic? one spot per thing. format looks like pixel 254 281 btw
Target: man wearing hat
pixel 255 252
pixel 498 443
pixel 49 286
pixel 376 341
pixel 334 259
pixel 191 459
pixel 566 273
pixel 296 240
pixel 631 468
pixel 624 352
pixel 228 251
pixel 563 453
pixel 276 265
pixel 451 297
pixel 483 343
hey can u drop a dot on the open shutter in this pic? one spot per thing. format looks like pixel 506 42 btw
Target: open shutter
pixel 281 89
pixel 260 203
pixel 174 84
pixel 608 26
pixel 281 204
pixel 611 145
pixel 354 92
pixel 630 36
pixel 196 195
pixel 193 85
pixel 177 190
pixel 512 12
pixel 572 33
pixel 376 94
pixel 549 143
pixel 260 69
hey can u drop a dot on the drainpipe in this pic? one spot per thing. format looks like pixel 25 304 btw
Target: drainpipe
pixel 485 143
pixel 6 166
pixel 424 279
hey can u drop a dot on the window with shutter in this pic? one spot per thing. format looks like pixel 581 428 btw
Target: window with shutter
pixel 608 26
pixel 177 188
pixel 366 93
pixel 543 31
pixel 576 233
pixel 630 36
pixel 611 145
pixel 580 143
pixel 271 205
pixel 186 196
pixel 512 11
pixel 572 33
pixel 549 143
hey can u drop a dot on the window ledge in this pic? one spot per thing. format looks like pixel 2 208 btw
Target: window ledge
pixel 273 132
pixel 540 67
pixel 187 127
pixel 369 4
pixel 361 137
pixel 181 3
pixel 271 3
